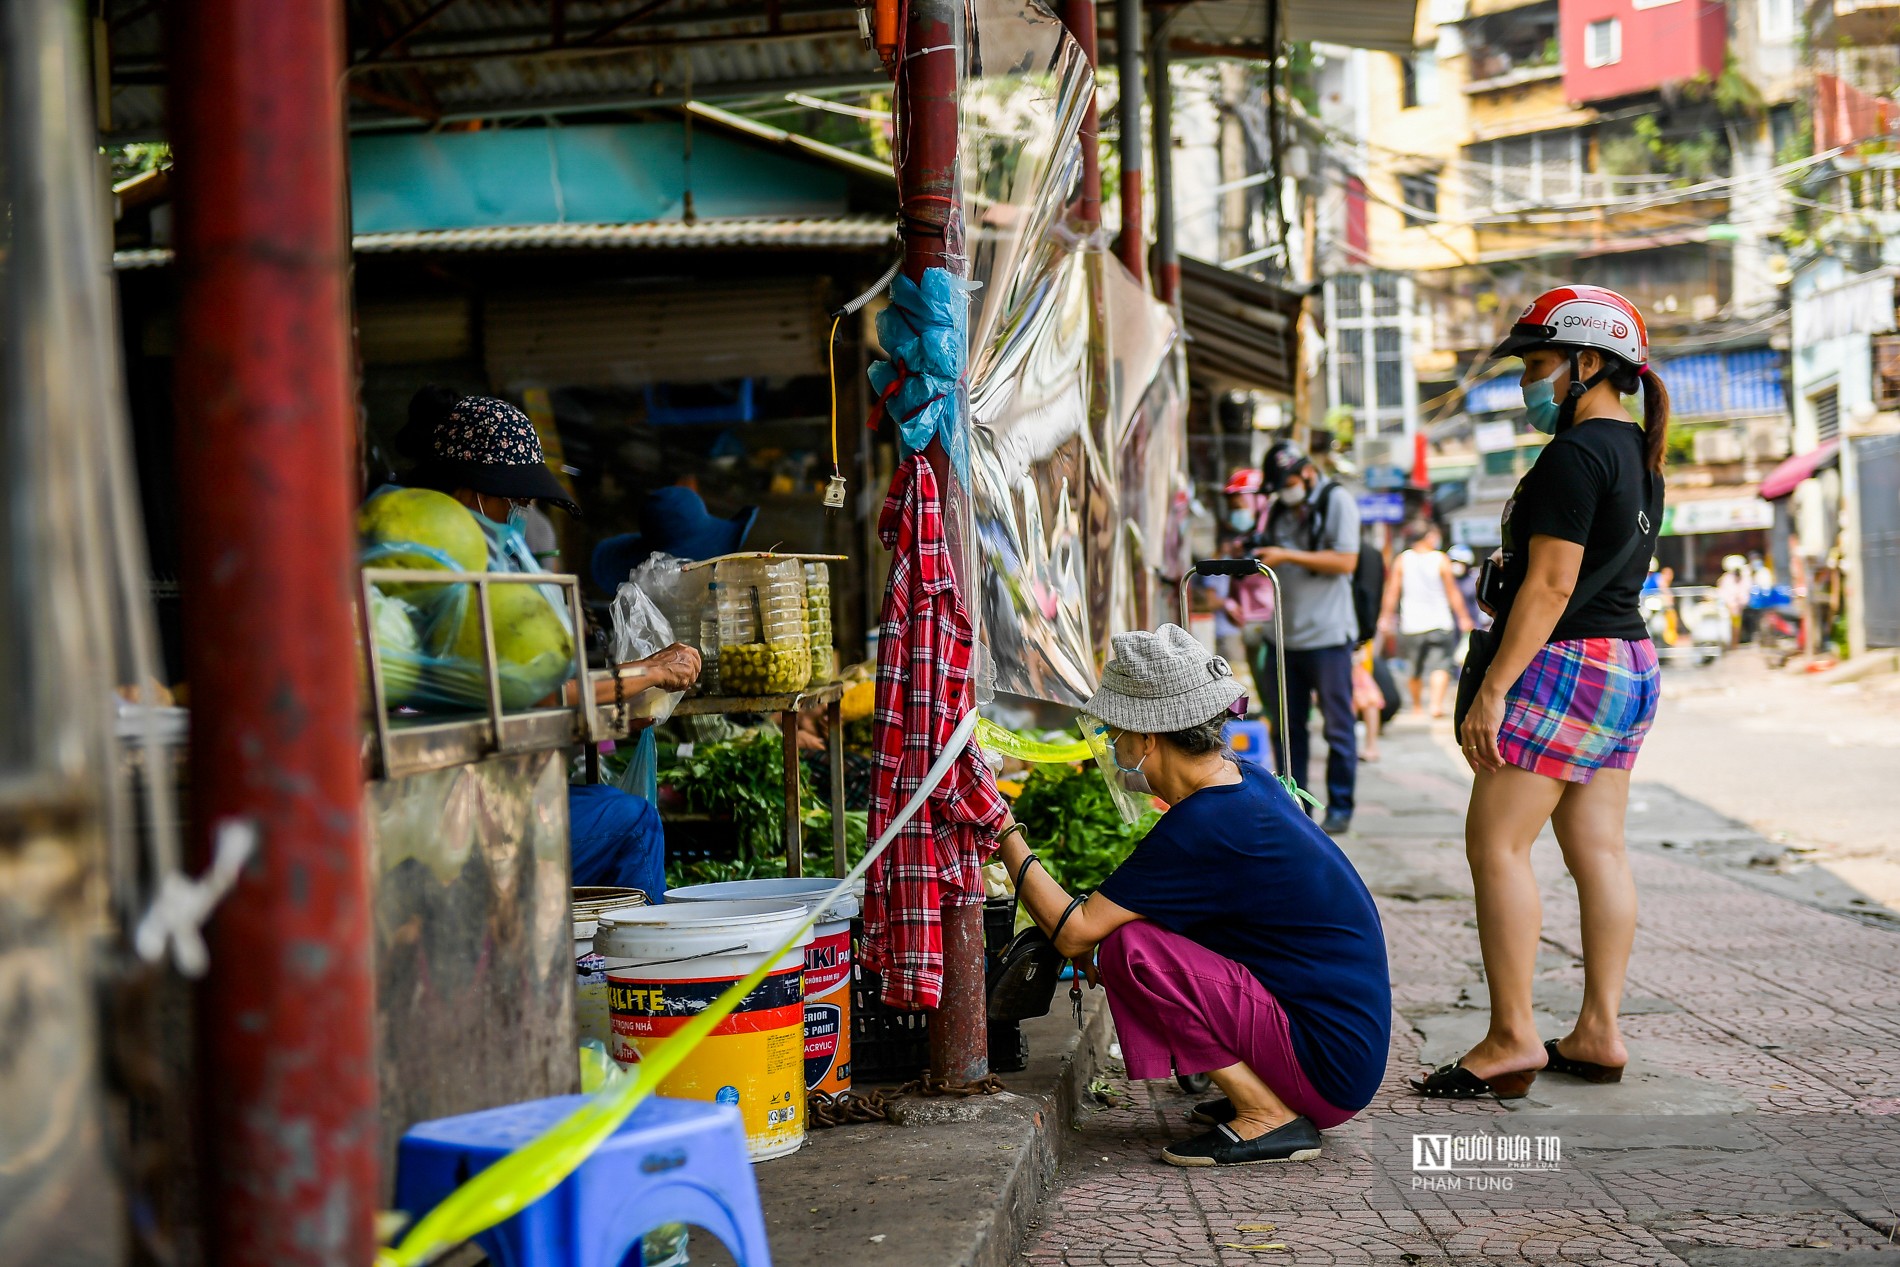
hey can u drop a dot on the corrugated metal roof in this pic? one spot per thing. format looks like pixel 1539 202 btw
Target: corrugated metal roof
pixel 847 233
pixel 1241 25
pixel 1242 333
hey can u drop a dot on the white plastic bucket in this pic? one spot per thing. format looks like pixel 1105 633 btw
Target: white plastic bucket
pixel 827 968
pixel 665 964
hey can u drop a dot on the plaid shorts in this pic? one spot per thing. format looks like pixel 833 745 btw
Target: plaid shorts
pixel 1581 706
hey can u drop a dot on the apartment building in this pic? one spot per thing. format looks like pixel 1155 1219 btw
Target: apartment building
pixel 1627 143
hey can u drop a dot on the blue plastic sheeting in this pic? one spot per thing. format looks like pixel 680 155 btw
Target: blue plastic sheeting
pixel 1739 384
pixel 922 331
pixel 609 174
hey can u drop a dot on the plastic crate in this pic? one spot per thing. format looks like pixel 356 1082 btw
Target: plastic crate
pixel 892 1045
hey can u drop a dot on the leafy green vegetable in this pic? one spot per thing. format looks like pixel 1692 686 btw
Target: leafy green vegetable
pixel 1073 825
pixel 745 778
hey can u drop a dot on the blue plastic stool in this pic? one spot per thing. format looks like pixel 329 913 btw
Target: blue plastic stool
pixel 1250 742
pixel 672 1161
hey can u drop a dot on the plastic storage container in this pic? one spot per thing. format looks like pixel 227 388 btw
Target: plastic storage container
pixel 764 639
pixel 824 656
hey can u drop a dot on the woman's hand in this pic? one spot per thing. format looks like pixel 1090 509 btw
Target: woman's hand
pixel 673 668
pixel 1090 973
pixel 1479 736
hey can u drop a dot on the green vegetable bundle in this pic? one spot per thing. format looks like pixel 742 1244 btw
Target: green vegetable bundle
pixel 1073 824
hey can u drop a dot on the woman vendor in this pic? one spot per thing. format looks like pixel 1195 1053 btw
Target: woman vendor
pixel 1237 940
pixel 484 453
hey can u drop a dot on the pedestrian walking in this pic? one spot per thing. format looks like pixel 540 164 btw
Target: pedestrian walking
pixel 1248 605
pixel 1237 940
pixel 1557 697
pixel 1311 539
pixel 1424 609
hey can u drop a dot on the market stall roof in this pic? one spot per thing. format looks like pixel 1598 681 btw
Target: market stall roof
pixel 842 233
pixel 417 63
pixel 1242 333
pixel 1784 479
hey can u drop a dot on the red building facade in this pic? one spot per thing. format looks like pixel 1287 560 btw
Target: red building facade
pixel 1617 48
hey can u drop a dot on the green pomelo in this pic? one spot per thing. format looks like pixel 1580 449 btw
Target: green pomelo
pixel 420 517
pixel 534 650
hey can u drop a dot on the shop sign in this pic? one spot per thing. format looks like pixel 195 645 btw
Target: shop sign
pixel 1382 508
pixel 1730 514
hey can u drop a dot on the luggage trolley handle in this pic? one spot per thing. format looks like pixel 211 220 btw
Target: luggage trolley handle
pixel 1244 568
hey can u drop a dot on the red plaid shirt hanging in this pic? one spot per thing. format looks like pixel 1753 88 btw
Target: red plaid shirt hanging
pixel 923 691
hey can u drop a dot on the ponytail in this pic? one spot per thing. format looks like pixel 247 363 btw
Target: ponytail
pixel 1655 420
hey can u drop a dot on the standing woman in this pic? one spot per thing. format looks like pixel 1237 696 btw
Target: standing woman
pixel 1551 725
pixel 1424 608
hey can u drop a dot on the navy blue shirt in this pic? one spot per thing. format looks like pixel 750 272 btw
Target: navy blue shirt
pixel 1240 870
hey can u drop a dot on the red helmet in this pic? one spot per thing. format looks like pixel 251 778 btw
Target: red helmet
pixel 1580 317
pixel 1243 480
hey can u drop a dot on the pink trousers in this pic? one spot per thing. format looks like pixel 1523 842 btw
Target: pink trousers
pixel 1181 1008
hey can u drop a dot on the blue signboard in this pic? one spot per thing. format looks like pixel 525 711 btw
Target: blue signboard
pixel 1382 508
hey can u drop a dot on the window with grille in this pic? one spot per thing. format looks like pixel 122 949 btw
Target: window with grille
pixel 1420 195
pixel 1544 169
pixel 1603 43
pixel 1369 361
pixel 1886 371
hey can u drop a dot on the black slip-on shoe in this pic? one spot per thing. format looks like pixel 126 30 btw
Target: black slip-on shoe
pixel 1298 1140
pixel 1337 824
pixel 1212 1112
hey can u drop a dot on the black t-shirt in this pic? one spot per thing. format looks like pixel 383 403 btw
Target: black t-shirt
pixel 1589 486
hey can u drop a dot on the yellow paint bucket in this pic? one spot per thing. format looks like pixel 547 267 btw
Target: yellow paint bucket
pixel 665 964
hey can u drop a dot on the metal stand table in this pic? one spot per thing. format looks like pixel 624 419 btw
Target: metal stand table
pixel 787 707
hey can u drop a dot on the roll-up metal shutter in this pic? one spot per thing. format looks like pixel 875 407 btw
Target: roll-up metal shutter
pixel 403 331
pixel 769 329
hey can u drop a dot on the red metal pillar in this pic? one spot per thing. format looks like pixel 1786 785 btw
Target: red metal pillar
pixel 1161 107
pixel 928 82
pixel 1079 17
pixel 287 1040
pixel 1134 247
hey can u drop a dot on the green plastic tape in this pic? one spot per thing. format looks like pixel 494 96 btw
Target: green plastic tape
pixel 1011 744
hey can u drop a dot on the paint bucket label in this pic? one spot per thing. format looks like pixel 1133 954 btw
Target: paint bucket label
pixel 828 1012
pixel 753 1058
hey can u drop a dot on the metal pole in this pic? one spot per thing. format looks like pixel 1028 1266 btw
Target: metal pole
pixel 1167 262
pixel 1079 17
pixel 1128 113
pixel 929 77
pixel 287 1063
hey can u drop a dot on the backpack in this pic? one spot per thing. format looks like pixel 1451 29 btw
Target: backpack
pixel 1368 576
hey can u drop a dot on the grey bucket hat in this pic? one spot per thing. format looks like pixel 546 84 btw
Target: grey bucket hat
pixel 1162 681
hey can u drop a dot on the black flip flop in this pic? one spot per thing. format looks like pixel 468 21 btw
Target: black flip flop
pixel 1455 1082
pixel 1588 1070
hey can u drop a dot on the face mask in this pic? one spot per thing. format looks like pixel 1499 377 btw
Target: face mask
pixel 1240 520
pixel 1540 402
pixel 1130 777
pixel 1293 495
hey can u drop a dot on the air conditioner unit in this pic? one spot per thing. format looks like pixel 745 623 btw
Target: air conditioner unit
pixel 1769 440
pixel 1718 444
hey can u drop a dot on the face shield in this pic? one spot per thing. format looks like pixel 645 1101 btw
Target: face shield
pixel 1131 805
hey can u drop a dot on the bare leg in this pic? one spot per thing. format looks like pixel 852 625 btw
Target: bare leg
pixel 1256 1109
pixel 1371 718
pixel 1441 683
pixel 1589 824
pixel 1508 808
pixel 1416 685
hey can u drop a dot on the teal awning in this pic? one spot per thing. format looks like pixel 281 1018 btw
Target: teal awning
pixel 607 174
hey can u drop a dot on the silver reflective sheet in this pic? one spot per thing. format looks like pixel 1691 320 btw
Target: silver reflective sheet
pixel 1076 387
